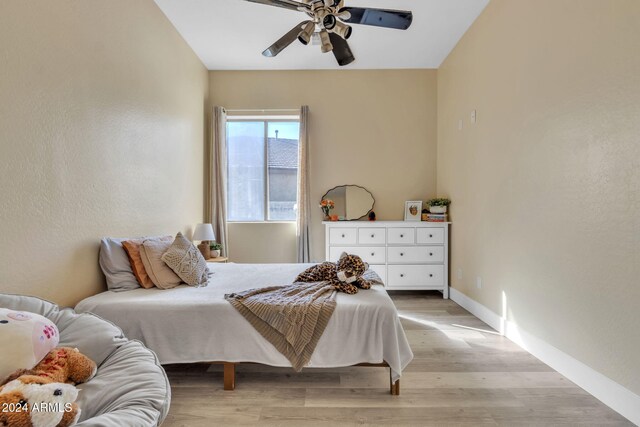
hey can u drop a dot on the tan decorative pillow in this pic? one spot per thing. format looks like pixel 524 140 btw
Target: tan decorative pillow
pixel 161 275
pixel 187 262
pixel 132 248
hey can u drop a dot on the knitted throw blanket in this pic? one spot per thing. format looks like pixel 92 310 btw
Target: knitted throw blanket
pixel 291 317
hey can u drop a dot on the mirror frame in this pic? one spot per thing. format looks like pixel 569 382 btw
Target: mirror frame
pixel 352 185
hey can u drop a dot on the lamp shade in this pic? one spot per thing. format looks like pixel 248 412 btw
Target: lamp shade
pixel 204 232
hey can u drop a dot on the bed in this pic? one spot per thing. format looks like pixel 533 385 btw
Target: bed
pixel 188 325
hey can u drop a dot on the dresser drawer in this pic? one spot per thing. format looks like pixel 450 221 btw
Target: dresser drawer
pixel 399 236
pixel 381 270
pixel 370 255
pixel 427 236
pixel 342 236
pixel 415 276
pixel 372 236
pixel 415 254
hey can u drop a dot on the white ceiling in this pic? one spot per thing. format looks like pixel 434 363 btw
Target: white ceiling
pixel 231 34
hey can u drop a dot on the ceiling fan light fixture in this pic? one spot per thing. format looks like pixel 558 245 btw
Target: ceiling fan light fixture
pixel 329 22
pixel 343 30
pixel 326 41
pixel 306 33
pixel 343 14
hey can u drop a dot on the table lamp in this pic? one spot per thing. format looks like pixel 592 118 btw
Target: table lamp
pixel 204 233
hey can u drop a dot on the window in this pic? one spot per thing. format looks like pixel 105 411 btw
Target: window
pixel 263 169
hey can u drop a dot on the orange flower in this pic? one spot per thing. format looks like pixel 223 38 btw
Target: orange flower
pixel 326 205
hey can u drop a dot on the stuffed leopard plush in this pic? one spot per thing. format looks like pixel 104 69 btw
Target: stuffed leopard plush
pixel 344 275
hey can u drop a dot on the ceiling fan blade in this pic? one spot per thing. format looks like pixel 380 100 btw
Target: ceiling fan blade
pixel 341 50
pixel 398 19
pixel 286 4
pixel 284 41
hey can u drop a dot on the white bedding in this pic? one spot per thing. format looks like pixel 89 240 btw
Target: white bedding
pixel 186 324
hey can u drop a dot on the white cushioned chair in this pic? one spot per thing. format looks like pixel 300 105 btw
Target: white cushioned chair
pixel 130 388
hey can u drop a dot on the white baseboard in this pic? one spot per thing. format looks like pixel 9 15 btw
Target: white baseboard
pixel 612 394
pixel 478 310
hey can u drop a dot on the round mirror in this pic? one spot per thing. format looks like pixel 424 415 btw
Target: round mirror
pixel 350 202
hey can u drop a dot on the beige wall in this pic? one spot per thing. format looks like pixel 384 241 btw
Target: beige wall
pixel 101 134
pixel 545 187
pixel 372 128
pixel 259 243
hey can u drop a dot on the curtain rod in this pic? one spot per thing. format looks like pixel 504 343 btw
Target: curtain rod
pixel 257 110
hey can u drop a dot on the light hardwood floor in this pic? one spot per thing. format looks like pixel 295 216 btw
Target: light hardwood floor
pixel 463 373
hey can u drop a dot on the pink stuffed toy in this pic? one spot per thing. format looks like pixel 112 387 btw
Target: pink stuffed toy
pixel 25 338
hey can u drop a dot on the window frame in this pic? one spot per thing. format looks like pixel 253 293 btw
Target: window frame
pixel 265 119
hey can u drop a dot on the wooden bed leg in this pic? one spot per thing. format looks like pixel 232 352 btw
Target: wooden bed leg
pixel 229 376
pixel 394 387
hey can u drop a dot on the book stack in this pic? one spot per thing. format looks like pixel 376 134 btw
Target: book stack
pixel 431 217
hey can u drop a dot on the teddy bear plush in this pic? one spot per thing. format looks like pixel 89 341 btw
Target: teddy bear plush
pixel 344 275
pixel 45 395
pixel 54 403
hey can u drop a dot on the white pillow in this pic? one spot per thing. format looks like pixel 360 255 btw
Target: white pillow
pixel 25 338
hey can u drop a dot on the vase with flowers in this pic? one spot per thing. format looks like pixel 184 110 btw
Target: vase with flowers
pixel 326 205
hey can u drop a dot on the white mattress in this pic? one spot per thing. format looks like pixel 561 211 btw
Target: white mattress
pixel 186 324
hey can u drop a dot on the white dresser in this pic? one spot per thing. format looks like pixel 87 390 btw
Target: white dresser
pixel 407 255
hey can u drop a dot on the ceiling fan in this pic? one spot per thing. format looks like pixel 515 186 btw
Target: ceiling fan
pixel 331 18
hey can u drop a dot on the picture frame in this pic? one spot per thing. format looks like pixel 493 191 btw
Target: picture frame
pixel 412 210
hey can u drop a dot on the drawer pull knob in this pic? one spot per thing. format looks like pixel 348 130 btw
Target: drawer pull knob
pixel 402 275
pixel 401 253
pixel 401 236
pixel 343 236
pixel 373 235
pixel 373 253
pixel 430 275
pixel 430 235
pixel 430 253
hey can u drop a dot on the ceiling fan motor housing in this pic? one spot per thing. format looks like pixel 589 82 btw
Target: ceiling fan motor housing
pixel 328 16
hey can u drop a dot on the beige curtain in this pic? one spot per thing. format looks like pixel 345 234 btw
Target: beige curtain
pixel 304 205
pixel 216 177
